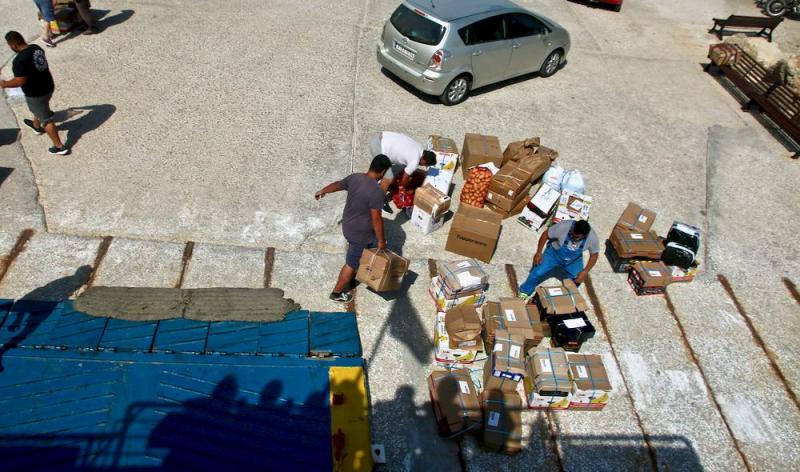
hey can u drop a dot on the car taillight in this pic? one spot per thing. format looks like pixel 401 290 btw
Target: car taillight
pixel 437 59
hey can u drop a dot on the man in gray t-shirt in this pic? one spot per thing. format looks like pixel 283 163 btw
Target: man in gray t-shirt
pixel 362 223
pixel 565 243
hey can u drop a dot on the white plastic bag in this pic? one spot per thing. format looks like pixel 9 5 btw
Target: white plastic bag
pixel 573 181
pixel 553 177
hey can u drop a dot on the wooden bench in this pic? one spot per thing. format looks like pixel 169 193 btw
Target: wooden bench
pixel 778 102
pixel 766 25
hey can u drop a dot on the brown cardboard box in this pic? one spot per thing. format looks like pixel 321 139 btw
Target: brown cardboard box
pixel 474 233
pixel 590 384
pixel 382 271
pixel 547 381
pixel 459 276
pixel 480 149
pixel 653 274
pixel 463 327
pixel 502 426
pixel 516 150
pixel 507 190
pixel 636 218
pixel 562 300
pixel 507 358
pixel 638 244
pixel 516 317
pixel 432 201
pixel 455 401
pixel 538 163
pixel 514 211
pixel 501 384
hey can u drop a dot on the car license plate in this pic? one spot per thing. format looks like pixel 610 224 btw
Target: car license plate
pixel 404 51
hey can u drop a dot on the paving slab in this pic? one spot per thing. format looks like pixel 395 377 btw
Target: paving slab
pixel 51 268
pixel 136 263
pixel 762 417
pixel 308 278
pixel 225 266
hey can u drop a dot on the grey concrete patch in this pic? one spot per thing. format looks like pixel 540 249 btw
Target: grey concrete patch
pixel 308 278
pixel 51 268
pixel 225 266
pixel 134 263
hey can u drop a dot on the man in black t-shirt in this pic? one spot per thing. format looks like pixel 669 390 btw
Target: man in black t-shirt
pixel 32 73
pixel 362 223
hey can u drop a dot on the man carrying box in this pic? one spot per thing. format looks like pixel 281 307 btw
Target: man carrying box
pixel 362 223
pixel 404 153
pixel 565 242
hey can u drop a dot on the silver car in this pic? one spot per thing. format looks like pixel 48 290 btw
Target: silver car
pixel 449 47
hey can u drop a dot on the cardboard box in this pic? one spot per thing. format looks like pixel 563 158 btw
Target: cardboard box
pixel 505 203
pixel 680 274
pixel 382 271
pixel 474 233
pixel 463 327
pixel 653 274
pixel 562 300
pixel 425 221
pixel 480 149
pixel 459 276
pixel 572 206
pixel 455 401
pixel 538 210
pixel 446 152
pixel 514 211
pixel 442 351
pixel 501 384
pixel 517 149
pixel 570 331
pixel 431 200
pixel 639 289
pixel 440 179
pixel 510 181
pixel 539 162
pixel 444 302
pixel 518 318
pixel 502 421
pixel 636 218
pixel 547 383
pixel 591 388
pixel 507 359
pixel 636 244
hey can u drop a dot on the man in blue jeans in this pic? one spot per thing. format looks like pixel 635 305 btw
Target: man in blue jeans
pixel 563 256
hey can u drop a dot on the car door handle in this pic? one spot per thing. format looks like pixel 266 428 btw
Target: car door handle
pixel 477 53
pixel 515 45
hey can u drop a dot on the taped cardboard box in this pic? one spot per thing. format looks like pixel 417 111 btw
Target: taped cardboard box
pixel 636 218
pixel 591 388
pixel 501 383
pixel 425 221
pixel 455 401
pixel 382 271
pixel 480 149
pixel 437 282
pixel 562 300
pixel 444 302
pixel 507 359
pixel 442 351
pixel 440 179
pixel 653 274
pixel 517 318
pixel 538 210
pixel 464 275
pixel 502 426
pixel 463 327
pixel 572 206
pixel 539 162
pixel 505 203
pixel 446 152
pixel 518 149
pixel 514 211
pixel 547 383
pixel 639 289
pixel 569 332
pixel 431 200
pixel 636 244
pixel 619 264
pixel 474 233
pixel 511 181
pixel 723 54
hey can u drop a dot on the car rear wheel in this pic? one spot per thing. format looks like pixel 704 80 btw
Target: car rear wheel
pixel 456 91
pixel 551 64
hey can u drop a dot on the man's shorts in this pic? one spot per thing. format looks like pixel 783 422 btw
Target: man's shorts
pixel 40 107
pixel 354 251
pixel 46 7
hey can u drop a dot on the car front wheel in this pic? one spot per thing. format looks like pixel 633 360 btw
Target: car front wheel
pixel 456 91
pixel 551 64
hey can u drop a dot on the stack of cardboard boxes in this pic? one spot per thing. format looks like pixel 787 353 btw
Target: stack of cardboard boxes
pixel 441 175
pixel 649 277
pixel 430 207
pixel 563 308
pixel 538 210
pixel 632 240
pixel 572 206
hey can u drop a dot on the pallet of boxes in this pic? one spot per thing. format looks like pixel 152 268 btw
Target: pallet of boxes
pixel 652 262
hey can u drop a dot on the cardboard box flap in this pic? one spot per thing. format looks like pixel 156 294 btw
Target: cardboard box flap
pixel 588 372
pixel 636 218
pixel 517 149
pixel 463 323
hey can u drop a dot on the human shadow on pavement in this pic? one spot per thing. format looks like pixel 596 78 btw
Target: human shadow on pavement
pixel 114 20
pixel 36 306
pixel 5 172
pixel 78 121
pixel 8 136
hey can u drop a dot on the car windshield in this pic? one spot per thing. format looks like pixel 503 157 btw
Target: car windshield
pixel 416 27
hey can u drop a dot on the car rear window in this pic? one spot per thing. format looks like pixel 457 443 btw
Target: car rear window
pixel 416 27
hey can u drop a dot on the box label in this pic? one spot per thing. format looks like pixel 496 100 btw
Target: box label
pixel 555 292
pixel 494 418
pixel 544 364
pixel 467 343
pixel 654 273
pixel 576 205
pixel 514 351
pixel 642 219
pixel 636 236
pixel 464 387
pixel 510 316
pixel 463 264
pixel 575 323
pixel 581 372
pixel 498 347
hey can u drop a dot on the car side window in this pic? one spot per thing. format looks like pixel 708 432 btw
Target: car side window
pixel 483 31
pixel 521 25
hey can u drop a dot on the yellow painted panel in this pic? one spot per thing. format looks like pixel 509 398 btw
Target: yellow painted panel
pixel 350 440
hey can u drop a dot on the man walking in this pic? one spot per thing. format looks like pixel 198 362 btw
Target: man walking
pixel 565 242
pixel 32 73
pixel 405 154
pixel 362 223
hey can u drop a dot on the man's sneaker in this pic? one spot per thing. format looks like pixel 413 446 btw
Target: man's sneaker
pixel 48 42
pixel 387 208
pixel 343 297
pixel 60 151
pixel 523 295
pixel 39 131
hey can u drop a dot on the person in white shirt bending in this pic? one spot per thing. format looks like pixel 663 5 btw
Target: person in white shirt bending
pixel 405 154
